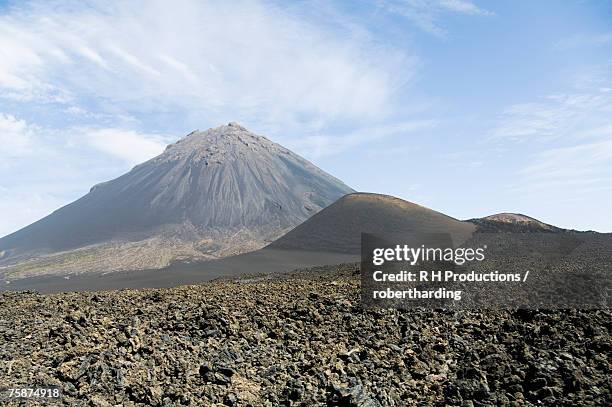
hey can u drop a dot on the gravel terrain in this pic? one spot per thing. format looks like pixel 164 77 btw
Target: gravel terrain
pixel 293 340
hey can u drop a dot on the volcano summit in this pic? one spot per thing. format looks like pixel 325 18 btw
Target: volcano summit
pixel 212 194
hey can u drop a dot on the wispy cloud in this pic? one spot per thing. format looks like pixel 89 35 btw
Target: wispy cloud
pixel 463 6
pixel 583 160
pixel 128 145
pixel 23 140
pixel 556 116
pixel 320 145
pixel 570 170
pixel 157 55
pixel 16 136
pixel 426 15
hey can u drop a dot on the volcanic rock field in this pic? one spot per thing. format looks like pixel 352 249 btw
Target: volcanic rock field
pixel 298 339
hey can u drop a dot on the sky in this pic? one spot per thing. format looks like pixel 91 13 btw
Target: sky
pixel 469 108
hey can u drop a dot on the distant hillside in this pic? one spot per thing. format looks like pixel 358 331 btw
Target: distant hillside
pixel 513 222
pixel 338 228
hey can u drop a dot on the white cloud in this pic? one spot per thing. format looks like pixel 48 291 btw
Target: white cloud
pixel 574 115
pixel 320 145
pixel 128 145
pixel 463 6
pixel 16 136
pixel 246 57
pixel 426 14
pixel 19 138
pixel 582 162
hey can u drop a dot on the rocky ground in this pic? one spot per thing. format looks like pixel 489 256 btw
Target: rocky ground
pixel 296 340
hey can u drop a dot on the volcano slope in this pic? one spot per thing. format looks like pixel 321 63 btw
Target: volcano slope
pixel 212 194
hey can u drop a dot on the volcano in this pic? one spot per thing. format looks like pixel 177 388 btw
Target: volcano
pixel 212 194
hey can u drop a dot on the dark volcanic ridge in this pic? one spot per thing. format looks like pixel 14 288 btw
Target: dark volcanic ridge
pixel 215 193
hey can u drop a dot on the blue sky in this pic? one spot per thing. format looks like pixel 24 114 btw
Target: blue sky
pixel 469 108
